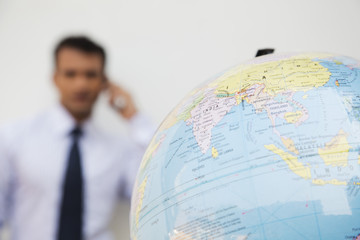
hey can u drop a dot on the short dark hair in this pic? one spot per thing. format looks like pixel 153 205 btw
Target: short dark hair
pixel 81 43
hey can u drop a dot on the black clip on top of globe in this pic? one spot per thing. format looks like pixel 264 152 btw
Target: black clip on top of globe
pixel 264 51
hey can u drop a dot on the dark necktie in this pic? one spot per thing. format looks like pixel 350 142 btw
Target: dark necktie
pixel 71 211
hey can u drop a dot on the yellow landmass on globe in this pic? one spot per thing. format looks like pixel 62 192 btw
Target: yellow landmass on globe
pixel 336 151
pixel 359 159
pixel 289 144
pixel 305 96
pixel 294 74
pixel 333 181
pixel 214 152
pixel 299 73
pixel 140 198
pixel 297 167
pixel 293 117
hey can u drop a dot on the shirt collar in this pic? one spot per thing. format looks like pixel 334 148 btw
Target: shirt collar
pixel 64 123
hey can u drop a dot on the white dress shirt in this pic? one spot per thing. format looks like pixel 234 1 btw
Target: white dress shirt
pixel 33 159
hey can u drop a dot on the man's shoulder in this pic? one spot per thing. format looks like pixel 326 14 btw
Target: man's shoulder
pixel 17 129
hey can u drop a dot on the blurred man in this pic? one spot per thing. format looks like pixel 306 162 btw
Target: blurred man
pixel 60 175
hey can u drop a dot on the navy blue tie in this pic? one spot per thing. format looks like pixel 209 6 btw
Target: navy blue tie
pixel 71 210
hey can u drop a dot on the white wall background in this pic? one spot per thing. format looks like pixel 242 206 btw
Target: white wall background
pixel 160 49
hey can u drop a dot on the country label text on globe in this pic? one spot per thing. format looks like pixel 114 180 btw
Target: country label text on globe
pixel 268 150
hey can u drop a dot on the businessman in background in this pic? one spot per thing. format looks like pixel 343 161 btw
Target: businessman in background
pixel 60 175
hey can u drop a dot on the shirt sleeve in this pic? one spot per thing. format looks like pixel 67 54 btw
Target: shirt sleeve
pixel 141 130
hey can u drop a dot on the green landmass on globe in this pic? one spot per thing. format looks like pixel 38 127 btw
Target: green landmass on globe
pixel 270 149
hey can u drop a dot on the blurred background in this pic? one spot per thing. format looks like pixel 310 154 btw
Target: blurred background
pixel 158 49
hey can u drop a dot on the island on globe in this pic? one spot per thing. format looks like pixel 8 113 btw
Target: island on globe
pixel 267 150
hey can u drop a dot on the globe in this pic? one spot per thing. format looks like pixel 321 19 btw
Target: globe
pixel 269 149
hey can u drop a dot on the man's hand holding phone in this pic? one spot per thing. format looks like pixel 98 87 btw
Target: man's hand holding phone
pixel 121 100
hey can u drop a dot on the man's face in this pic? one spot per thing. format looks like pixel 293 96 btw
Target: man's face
pixel 79 78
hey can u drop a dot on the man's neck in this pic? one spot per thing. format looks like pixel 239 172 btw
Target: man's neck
pixel 79 117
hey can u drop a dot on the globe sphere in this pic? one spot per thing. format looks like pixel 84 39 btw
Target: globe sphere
pixel 269 149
